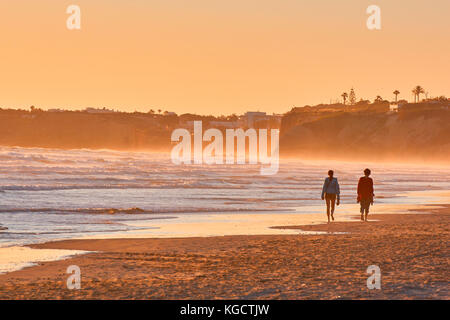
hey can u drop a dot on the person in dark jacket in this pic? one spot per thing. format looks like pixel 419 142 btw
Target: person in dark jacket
pixel 365 194
pixel 331 193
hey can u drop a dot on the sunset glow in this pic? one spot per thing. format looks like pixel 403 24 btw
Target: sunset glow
pixel 218 57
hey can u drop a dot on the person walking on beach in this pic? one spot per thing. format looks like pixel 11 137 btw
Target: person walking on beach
pixel 331 193
pixel 365 194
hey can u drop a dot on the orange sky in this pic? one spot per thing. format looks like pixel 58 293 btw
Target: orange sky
pixel 218 57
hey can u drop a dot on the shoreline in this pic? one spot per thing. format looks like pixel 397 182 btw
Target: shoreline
pixel 411 250
pixel 25 255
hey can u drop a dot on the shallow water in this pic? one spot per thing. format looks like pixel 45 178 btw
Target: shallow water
pixel 16 258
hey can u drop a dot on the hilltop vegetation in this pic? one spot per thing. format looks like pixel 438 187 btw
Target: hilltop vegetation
pixel 415 132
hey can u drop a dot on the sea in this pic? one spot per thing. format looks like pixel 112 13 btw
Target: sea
pixel 52 194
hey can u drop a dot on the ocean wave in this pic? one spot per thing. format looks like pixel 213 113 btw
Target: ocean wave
pixel 4 189
pixel 132 211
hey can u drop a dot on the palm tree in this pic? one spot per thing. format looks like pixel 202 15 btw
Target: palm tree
pixel 344 96
pixel 396 92
pixel 417 91
pixel 378 99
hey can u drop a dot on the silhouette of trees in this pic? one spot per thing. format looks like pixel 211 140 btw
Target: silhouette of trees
pixel 396 93
pixel 344 96
pixel 378 99
pixel 33 109
pixel 352 97
pixel 362 102
pixel 418 90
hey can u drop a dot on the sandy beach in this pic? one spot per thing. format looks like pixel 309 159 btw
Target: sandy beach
pixel 410 249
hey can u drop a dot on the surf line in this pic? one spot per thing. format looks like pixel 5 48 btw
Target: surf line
pixel 213 153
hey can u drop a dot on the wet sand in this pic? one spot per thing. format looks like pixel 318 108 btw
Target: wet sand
pixel 410 249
